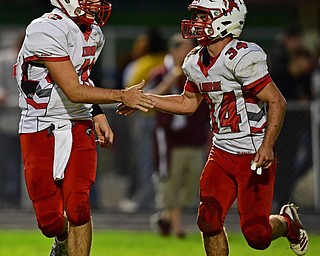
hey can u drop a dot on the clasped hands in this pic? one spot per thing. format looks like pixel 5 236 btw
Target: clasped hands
pixel 135 99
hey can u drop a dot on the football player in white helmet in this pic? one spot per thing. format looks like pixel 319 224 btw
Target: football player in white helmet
pixel 247 111
pixel 59 113
pixel 85 11
pixel 219 18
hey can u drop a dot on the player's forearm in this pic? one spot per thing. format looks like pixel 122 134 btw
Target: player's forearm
pixel 94 95
pixel 276 114
pixel 64 75
pixel 132 97
pixel 173 104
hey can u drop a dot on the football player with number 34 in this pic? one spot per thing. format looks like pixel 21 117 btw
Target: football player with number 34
pixel 247 112
pixel 59 102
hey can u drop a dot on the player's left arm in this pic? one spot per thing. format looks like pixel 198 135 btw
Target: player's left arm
pixel 276 103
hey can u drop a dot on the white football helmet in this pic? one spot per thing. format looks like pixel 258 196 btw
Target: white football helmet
pixel 222 18
pixel 84 10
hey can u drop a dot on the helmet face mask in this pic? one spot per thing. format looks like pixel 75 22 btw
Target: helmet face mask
pixel 85 11
pixel 194 28
pixel 214 19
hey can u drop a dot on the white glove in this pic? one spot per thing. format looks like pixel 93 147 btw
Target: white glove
pixel 254 168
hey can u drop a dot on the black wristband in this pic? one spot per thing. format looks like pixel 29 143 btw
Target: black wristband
pixel 96 110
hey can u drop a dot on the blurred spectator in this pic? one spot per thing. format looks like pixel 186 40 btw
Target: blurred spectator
pixel 179 144
pixel 10 159
pixel 315 88
pixel 291 68
pixel 285 44
pixel 151 48
pixel 295 82
pixel 140 48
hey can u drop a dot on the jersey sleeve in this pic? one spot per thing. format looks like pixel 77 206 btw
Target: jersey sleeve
pixel 191 87
pixel 101 41
pixel 45 41
pixel 252 71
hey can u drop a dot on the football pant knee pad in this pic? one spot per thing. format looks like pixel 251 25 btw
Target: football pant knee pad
pixel 51 225
pixel 78 208
pixel 257 233
pixel 210 217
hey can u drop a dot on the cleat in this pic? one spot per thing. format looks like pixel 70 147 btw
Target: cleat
pixel 59 248
pixel 296 234
pixel 160 225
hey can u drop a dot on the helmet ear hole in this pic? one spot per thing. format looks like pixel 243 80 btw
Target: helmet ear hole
pixel 224 33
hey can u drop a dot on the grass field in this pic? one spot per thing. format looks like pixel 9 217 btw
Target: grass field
pixel 130 243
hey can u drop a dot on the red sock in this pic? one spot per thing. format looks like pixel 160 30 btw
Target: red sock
pixel 288 222
pixel 62 237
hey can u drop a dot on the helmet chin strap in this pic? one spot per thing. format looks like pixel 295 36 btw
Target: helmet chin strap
pixel 216 39
pixel 207 41
pixel 83 20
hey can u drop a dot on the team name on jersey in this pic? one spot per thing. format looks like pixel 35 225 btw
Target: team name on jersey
pixel 89 51
pixel 210 86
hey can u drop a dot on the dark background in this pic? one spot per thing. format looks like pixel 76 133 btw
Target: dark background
pixel 169 12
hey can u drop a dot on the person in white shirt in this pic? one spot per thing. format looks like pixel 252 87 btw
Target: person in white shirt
pixel 58 102
pixel 247 111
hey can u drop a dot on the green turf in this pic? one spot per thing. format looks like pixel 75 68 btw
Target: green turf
pixel 129 243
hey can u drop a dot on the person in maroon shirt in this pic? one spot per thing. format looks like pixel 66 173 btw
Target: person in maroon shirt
pixel 180 144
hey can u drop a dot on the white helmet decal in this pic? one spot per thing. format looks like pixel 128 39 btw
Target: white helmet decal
pixel 231 6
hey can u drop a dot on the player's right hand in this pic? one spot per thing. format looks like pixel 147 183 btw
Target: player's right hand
pixel 134 97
